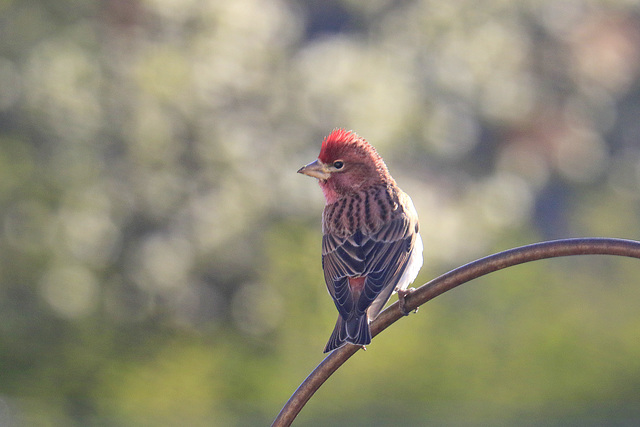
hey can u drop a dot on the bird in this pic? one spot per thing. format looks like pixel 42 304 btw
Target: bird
pixel 371 244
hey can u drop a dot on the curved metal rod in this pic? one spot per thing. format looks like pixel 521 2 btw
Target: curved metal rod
pixel 444 283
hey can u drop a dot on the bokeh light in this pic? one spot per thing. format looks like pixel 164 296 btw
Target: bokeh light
pixel 160 258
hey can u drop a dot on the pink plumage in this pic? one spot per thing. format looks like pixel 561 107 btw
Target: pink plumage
pixel 371 244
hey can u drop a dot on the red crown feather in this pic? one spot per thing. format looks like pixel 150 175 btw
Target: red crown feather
pixel 336 142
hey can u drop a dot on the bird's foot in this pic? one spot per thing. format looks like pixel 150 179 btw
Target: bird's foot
pixel 402 294
pixel 364 348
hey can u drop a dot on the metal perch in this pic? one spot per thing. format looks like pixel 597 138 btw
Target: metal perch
pixel 444 283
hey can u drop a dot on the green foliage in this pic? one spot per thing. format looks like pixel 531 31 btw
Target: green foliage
pixel 160 259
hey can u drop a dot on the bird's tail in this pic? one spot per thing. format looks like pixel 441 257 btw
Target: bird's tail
pixel 355 331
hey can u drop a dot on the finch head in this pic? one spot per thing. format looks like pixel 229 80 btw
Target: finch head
pixel 347 163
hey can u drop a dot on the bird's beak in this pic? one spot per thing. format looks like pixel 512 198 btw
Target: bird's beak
pixel 316 169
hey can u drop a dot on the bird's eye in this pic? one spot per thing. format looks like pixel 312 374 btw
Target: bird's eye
pixel 338 164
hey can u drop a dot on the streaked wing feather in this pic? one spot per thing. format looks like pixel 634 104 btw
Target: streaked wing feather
pixel 366 255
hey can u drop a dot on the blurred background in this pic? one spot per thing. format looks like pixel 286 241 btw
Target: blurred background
pixel 160 258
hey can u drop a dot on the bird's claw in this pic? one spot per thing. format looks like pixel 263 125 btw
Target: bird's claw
pixel 402 294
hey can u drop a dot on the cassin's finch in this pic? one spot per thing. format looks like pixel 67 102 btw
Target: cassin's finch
pixel 371 246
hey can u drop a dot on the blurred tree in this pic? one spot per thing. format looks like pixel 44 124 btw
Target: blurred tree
pixel 160 259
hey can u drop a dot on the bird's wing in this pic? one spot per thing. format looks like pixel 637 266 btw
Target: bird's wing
pixel 381 257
